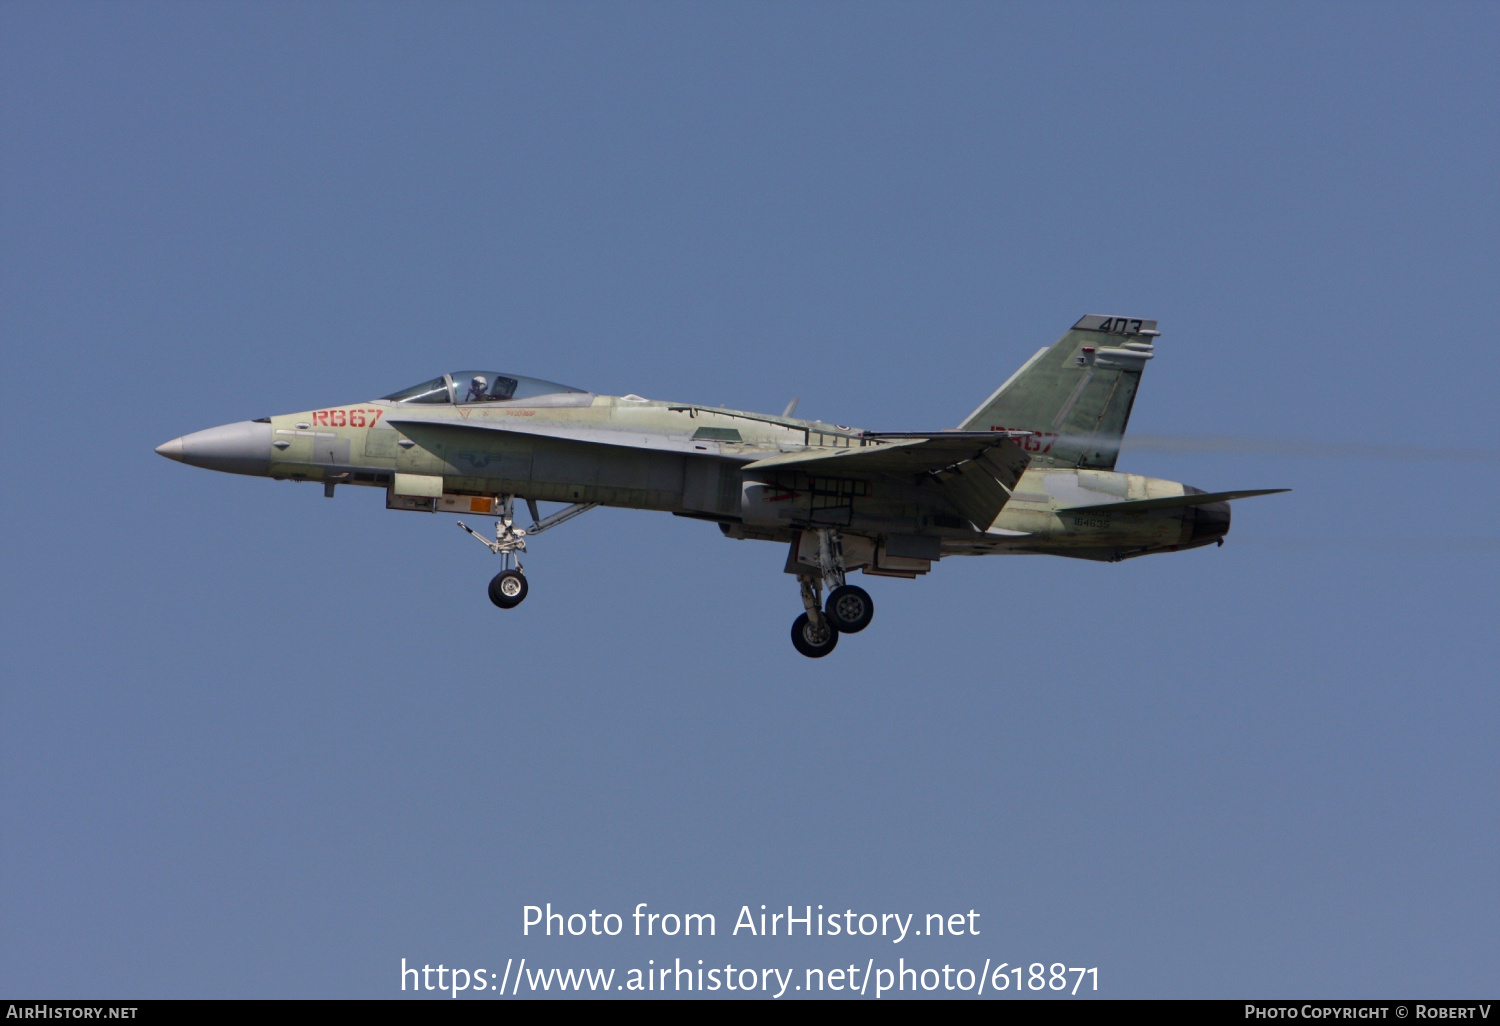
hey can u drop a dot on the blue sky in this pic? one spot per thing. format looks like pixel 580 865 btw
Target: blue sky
pixel 256 743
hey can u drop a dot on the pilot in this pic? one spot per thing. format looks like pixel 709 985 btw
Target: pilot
pixel 476 389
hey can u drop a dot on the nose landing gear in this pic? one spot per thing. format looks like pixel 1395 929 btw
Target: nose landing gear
pixel 848 610
pixel 508 588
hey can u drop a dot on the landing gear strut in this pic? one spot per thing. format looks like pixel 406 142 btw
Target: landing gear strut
pixel 848 610
pixel 508 588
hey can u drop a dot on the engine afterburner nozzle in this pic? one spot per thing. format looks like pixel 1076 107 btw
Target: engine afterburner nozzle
pixel 1210 523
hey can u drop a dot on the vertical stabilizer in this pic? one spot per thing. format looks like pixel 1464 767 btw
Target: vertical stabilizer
pixel 1075 396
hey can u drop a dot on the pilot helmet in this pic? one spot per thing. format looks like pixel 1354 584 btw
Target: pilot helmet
pixel 480 381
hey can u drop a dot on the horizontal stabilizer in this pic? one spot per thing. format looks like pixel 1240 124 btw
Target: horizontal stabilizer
pixel 1172 501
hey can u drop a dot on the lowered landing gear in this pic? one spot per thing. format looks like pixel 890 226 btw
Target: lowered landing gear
pixel 813 641
pixel 848 610
pixel 508 588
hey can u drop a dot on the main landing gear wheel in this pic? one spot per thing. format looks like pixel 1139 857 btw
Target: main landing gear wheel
pixel 849 609
pixel 812 641
pixel 508 589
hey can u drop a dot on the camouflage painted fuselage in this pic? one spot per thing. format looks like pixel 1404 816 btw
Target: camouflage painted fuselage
pixel 690 460
pixel 1031 470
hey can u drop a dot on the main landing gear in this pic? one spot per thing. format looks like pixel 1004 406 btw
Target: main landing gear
pixel 508 588
pixel 848 609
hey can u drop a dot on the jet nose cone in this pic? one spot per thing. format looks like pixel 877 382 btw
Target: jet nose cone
pixel 242 448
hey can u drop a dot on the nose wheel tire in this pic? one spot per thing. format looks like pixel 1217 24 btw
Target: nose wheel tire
pixel 508 589
pixel 811 641
pixel 849 609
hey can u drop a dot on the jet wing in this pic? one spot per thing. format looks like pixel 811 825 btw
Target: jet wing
pixel 1172 502
pixel 976 470
pixel 906 453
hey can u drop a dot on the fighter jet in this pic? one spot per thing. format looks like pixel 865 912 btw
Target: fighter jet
pixel 1032 470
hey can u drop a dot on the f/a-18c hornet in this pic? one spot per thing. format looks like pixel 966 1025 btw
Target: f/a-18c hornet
pixel 1030 471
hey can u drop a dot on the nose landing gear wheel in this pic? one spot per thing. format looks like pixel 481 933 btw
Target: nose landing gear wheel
pixel 849 609
pixel 810 640
pixel 508 589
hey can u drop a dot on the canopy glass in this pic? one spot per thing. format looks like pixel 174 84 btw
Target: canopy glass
pixel 474 386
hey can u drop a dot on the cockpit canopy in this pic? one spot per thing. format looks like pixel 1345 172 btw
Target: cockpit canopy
pixel 465 387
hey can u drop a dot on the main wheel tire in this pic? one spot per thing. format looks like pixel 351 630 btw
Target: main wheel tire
pixel 810 641
pixel 508 589
pixel 850 609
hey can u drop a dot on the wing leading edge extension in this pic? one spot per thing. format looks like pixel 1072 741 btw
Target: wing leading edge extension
pixel 613 437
